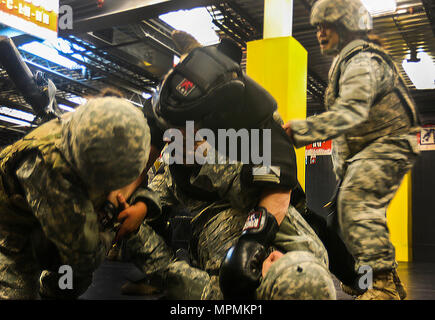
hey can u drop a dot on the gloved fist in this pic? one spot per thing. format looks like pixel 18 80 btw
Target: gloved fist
pixel 241 269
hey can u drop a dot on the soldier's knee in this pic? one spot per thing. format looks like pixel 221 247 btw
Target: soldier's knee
pixel 297 275
pixel 185 282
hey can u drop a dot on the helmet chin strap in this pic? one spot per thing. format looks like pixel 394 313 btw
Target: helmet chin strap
pixel 332 51
pixel 343 40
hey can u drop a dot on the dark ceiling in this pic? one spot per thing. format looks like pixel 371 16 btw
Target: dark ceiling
pixel 123 44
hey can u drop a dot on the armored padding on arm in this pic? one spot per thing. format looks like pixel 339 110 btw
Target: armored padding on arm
pixel 155 130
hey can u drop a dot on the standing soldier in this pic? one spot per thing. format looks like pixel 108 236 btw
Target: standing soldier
pixel 53 185
pixel 373 121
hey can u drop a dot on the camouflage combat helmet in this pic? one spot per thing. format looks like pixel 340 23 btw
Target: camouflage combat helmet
pixel 298 275
pixel 352 14
pixel 107 140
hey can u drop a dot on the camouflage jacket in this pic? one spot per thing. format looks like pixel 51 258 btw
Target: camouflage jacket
pixel 366 100
pixel 211 189
pixel 40 189
pixel 216 186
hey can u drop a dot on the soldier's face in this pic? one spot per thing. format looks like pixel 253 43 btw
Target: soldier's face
pixel 328 38
pixel 196 145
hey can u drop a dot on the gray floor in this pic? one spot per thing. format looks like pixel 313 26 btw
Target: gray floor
pixel 418 277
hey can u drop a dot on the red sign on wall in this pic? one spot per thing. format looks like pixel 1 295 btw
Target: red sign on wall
pixel 323 148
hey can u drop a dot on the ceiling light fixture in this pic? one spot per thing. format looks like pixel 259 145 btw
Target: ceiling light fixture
pixel 20 115
pixel 380 7
pixel 44 51
pixel 66 108
pixel 15 121
pixel 197 22
pixel 420 70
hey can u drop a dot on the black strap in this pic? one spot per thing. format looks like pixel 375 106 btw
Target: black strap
pixel 181 175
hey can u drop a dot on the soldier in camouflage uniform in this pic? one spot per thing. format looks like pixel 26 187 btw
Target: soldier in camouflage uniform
pixel 220 201
pixel 373 121
pixel 220 204
pixel 53 181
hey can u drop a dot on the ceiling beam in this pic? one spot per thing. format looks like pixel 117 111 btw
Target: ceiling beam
pixel 117 13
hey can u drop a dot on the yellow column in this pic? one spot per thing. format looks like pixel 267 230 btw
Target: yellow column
pixel 399 216
pixel 279 64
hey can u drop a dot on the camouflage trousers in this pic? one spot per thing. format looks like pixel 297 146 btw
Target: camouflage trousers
pixel 369 184
pixel 210 243
pixel 21 277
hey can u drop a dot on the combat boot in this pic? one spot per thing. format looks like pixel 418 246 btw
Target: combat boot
pixel 350 290
pixel 384 288
pixel 139 288
pixel 399 285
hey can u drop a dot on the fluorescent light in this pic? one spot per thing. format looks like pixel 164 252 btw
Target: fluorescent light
pixel 146 95
pixel 46 52
pixel 15 121
pixel 380 7
pixel 17 114
pixel 422 73
pixel 78 100
pixel 197 22
pixel 66 108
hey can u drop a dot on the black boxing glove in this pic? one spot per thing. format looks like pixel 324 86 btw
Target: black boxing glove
pixel 240 271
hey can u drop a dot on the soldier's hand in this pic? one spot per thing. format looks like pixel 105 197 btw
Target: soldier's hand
pixel 131 217
pixel 287 128
pixel 273 257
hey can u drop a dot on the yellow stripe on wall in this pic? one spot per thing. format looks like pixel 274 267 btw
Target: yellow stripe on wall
pixel 399 217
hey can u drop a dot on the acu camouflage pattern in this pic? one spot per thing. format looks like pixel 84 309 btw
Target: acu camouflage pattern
pixel 217 224
pixel 42 194
pixel 370 182
pixel 99 139
pixel 352 14
pixel 288 277
pixel 373 122
pixel 388 114
pixel 362 104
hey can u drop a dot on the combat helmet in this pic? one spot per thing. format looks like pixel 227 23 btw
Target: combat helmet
pixel 298 275
pixel 107 140
pixel 351 14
